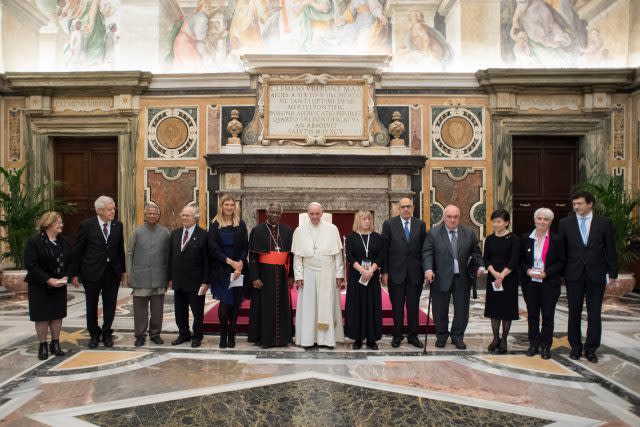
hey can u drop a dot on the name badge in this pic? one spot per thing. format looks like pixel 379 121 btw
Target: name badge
pixel 366 264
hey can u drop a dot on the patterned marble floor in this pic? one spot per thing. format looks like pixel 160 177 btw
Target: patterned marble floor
pixel 161 385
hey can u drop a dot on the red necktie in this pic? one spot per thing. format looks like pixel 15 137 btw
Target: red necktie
pixel 185 237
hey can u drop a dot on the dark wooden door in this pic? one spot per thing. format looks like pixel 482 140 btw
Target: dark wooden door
pixel 545 170
pixel 88 168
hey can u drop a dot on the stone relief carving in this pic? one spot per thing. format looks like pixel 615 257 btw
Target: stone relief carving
pixel 342 108
pixel 618 132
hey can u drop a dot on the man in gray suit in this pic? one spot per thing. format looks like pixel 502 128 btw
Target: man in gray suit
pixel 147 258
pixel 445 254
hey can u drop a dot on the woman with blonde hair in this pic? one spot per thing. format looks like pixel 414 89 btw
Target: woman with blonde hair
pixel 47 257
pixel 363 309
pixel 228 245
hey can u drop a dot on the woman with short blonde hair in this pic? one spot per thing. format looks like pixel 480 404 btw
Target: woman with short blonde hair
pixel 357 219
pixel 47 258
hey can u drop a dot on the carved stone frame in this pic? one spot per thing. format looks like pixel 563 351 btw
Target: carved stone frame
pixel 592 129
pixel 41 128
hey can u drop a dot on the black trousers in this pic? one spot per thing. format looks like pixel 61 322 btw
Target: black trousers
pixel 461 294
pixel 541 299
pixel 182 301
pixel 401 294
pixel 107 285
pixel 591 289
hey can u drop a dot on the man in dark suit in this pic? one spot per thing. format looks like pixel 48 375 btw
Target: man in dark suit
pixel 402 271
pixel 445 255
pixel 98 259
pixel 590 256
pixel 188 274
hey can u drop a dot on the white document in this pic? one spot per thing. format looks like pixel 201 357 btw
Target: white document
pixel 500 289
pixel 236 283
pixel 363 283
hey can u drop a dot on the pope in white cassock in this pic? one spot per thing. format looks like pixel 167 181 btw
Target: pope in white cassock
pixel 318 273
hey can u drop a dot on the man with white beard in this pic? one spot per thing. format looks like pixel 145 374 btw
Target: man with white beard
pixel 318 272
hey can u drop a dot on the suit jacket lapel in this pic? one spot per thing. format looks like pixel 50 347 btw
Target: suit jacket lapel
pixel 594 225
pixel 444 233
pixel 191 239
pixel 576 230
pixel 400 224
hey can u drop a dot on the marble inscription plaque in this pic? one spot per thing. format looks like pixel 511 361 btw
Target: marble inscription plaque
pixel 545 103
pixel 326 110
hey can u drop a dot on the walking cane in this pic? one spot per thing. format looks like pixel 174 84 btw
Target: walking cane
pixel 426 336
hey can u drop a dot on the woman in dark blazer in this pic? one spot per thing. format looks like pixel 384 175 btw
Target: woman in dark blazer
pixel 541 261
pixel 228 246
pixel 47 258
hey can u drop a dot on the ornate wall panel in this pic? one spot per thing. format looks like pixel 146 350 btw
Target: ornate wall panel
pixel 246 114
pixel 172 133
pixel 171 189
pixel 457 132
pixel 213 128
pixel 415 129
pixel 15 133
pixel 618 132
pixel 463 187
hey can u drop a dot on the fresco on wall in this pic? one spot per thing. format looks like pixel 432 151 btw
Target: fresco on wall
pixel 90 31
pixel 211 35
pixel 546 33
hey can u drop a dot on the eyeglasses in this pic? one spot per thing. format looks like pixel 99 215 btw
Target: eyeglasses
pixel 406 207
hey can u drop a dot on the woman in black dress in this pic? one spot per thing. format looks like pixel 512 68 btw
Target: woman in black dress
pixel 541 262
pixel 363 308
pixel 47 258
pixel 228 245
pixel 501 257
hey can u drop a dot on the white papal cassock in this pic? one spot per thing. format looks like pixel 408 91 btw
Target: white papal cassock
pixel 317 260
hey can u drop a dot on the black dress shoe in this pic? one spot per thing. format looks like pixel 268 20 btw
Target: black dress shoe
pixel 591 356
pixel 180 340
pixel 55 349
pixel 395 342
pixel 502 349
pixel 43 353
pixel 575 354
pixel 357 345
pixel 93 341
pixel 441 342
pixel 223 340
pixel 107 340
pixel 532 350
pixel 157 340
pixel 372 345
pixel 139 342
pixel 545 353
pixel 460 345
pixel 231 342
pixel 196 342
pixel 414 341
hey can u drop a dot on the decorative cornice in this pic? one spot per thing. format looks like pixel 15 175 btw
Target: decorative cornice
pixel 164 82
pixel 316 163
pixel 29 11
pixel 338 64
pixel 396 80
pixel 93 83
pixel 581 80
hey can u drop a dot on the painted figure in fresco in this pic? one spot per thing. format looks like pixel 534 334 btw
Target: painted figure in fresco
pixel 245 28
pixel 423 44
pixel 93 29
pixel 189 46
pixel 315 20
pixel 549 37
pixel 366 24
pixel 110 42
pixel 594 54
pixel 75 47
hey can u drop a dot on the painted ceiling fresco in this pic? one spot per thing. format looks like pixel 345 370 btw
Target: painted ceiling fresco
pixel 421 35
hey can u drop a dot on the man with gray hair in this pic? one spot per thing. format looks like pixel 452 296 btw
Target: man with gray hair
pixel 188 273
pixel 147 257
pixel 99 262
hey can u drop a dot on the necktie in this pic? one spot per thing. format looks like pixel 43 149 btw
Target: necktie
pixel 185 237
pixel 406 230
pixel 454 243
pixel 105 230
pixel 583 229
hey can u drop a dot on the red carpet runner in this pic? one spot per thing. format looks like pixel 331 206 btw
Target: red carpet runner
pixel 212 323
